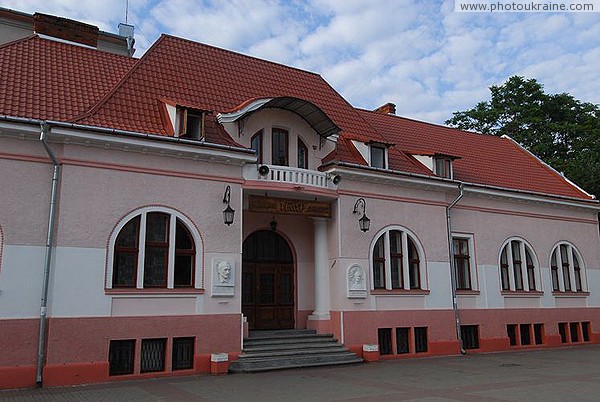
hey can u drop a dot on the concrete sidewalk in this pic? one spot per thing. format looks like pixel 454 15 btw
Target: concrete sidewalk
pixel 571 374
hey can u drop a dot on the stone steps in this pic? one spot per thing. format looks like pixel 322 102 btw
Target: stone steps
pixel 276 350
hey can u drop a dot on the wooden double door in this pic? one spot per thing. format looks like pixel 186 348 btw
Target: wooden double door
pixel 268 282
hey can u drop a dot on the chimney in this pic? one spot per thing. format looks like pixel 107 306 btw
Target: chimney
pixel 63 28
pixel 126 30
pixel 388 108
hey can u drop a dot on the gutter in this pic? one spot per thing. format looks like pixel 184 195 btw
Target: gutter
pixel 453 267
pixel 45 130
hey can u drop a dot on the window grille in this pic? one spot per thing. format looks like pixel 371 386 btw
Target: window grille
pixel 120 357
pixel 153 355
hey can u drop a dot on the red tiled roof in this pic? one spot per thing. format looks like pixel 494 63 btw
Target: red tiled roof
pixel 209 78
pixel 45 79
pixel 484 159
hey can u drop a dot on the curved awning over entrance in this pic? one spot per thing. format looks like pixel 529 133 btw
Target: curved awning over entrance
pixel 310 112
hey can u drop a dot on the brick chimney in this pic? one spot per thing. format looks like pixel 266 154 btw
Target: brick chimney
pixel 63 28
pixel 388 108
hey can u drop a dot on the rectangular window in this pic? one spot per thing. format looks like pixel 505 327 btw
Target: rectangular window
pixel 279 147
pixel 420 339
pixel 378 156
pixel 574 330
pixel 462 263
pixel 517 262
pixel 152 357
pixel 562 330
pixel 256 145
pixel 120 357
pixel 538 333
pixel 191 124
pixel 157 250
pixel 385 341
pixel 402 340
pixel 504 269
pixel 443 167
pixel 511 330
pixel 585 331
pixel 525 330
pixel 554 273
pixel 302 155
pixel 470 336
pixel 183 353
pixel 565 267
pixel 396 259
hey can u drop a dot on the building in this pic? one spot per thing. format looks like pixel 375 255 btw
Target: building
pixel 155 210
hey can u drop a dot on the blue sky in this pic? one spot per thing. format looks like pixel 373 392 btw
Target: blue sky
pixel 421 55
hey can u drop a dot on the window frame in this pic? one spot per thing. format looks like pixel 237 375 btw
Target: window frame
pixel 139 285
pixel 286 136
pixel 384 149
pixel 470 257
pixel 259 152
pixel 443 167
pixel 514 269
pixel 407 259
pixel 574 266
pixel 182 115
pixel 302 145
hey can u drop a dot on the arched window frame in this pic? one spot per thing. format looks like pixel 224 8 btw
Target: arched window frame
pixel 175 216
pixel 302 154
pixel 406 282
pixel 567 274
pixel 519 267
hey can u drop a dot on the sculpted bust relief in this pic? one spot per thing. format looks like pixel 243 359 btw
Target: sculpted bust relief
pixel 224 271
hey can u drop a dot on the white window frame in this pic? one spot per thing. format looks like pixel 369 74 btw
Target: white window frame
pixel 472 260
pixel 174 215
pixel 572 252
pixel 443 159
pixel 405 233
pixel 385 154
pixel 524 274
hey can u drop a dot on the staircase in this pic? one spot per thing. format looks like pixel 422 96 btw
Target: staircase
pixel 275 350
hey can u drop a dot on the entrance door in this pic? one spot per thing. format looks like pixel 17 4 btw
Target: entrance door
pixel 267 281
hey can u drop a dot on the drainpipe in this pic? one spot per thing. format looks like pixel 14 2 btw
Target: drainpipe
pixel 45 129
pixel 453 267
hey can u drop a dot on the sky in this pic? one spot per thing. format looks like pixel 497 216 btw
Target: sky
pixel 420 55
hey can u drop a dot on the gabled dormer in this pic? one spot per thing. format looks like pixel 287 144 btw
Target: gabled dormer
pixel 376 154
pixel 442 165
pixel 190 123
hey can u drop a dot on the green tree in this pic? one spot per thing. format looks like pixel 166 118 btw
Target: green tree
pixel 561 130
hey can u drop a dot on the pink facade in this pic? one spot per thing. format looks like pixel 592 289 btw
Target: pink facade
pixel 144 265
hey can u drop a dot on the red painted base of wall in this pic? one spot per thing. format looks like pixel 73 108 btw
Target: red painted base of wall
pixel 75 373
pixel 17 377
pixel 321 326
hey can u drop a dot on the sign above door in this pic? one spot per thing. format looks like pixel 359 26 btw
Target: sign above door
pixel 316 209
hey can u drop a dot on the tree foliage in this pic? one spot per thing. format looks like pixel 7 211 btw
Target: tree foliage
pixel 561 130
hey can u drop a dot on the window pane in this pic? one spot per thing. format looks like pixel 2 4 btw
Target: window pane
pixel 554 271
pixel 155 266
pixel 279 147
pixel 504 268
pixel 194 126
pixel 379 264
pixel 302 155
pixel 385 341
pixel 414 263
pixel 125 269
pixel 420 339
pixel 128 236
pixel 256 145
pixel 530 269
pixel 183 353
pixel 152 357
pixel 157 225
pixel 183 238
pixel 121 356
pixel 518 273
pixel 183 270
pixel 396 242
pixel 397 275
pixel 577 269
pixel 377 156
pixel 402 340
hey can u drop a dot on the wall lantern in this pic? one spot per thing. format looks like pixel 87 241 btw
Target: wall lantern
pixel 364 223
pixel 228 212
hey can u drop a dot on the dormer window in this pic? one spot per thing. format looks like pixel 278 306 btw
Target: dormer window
pixel 191 124
pixel 443 167
pixel 378 156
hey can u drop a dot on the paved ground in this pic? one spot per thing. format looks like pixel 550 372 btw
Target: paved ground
pixel 571 374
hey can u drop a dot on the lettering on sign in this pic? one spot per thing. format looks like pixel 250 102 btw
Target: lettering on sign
pixel 272 205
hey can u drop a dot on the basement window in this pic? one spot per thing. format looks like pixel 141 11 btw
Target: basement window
pixel 191 124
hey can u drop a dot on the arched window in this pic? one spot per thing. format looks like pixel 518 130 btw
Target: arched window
pixel 154 248
pixel 566 269
pixel 518 268
pixel 396 261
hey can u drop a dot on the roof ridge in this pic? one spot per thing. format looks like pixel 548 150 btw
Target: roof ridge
pixel 426 122
pixel 240 54
pixel 118 85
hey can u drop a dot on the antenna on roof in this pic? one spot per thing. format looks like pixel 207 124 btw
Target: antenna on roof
pixel 126 10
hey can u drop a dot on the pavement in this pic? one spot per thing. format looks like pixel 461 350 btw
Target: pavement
pixel 567 374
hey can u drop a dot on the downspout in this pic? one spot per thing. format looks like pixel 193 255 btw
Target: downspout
pixel 45 129
pixel 453 267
